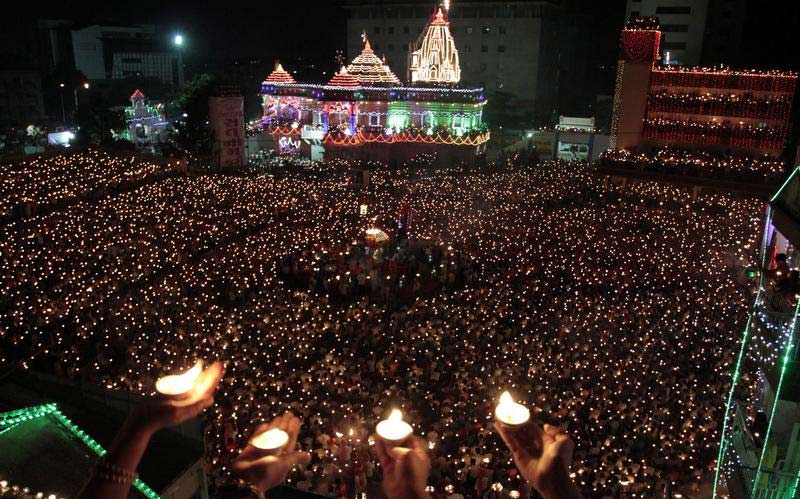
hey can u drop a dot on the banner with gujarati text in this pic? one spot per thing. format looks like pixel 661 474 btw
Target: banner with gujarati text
pixel 227 119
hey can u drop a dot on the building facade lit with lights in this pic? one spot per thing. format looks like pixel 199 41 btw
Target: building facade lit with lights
pixel 365 111
pixel 146 125
pixel 722 110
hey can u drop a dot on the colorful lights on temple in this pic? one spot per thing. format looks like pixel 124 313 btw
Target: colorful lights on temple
pixel 366 105
pixel 369 69
pixel 436 58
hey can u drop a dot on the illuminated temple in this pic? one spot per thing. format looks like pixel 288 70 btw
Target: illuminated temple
pixel 366 111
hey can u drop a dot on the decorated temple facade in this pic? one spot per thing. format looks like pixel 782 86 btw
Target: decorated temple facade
pixel 146 125
pixel 366 111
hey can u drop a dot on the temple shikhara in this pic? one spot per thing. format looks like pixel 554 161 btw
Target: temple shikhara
pixel 366 111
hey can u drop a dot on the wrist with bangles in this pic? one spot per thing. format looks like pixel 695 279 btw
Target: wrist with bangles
pixel 110 472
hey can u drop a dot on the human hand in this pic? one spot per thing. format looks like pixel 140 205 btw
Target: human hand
pixel 264 470
pixel 405 469
pixel 543 457
pixel 166 410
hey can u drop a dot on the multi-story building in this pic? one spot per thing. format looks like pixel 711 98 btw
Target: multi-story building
pixel 683 23
pixel 115 52
pixel 506 48
pixel 693 107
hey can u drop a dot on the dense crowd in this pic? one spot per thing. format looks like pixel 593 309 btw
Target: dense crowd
pixel 669 160
pixel 611 311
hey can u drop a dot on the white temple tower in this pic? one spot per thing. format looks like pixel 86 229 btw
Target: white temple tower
pixel 435 58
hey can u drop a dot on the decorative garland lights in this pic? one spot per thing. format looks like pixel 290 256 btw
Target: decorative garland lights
pixel 741 135
pixel 9 420
pixel 439 137
pixel 739 106
pixel 753 80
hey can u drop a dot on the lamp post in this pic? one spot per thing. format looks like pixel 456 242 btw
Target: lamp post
pixel 75 95
pixel 63 112
pixel 178 42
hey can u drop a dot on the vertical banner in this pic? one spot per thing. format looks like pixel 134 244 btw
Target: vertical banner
pixel 227 119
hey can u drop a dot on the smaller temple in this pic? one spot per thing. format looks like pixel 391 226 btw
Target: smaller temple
pixel 146 125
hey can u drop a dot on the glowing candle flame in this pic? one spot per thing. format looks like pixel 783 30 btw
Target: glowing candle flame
pixel 394 428
pixel 271 439
pixel 178 384
pixel 510 412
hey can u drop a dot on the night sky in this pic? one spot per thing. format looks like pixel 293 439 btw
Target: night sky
pixel 222 30
pixel 220 33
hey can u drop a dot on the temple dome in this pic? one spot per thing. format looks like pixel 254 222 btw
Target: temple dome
pixel 370 70
pixel 279 75
pixel 435 58
pixel 344 79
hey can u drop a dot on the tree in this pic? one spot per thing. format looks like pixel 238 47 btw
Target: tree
pixel 193 129
pixel 96 120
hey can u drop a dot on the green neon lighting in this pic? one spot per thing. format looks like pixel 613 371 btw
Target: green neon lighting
pixel 723 444
pixel 784 184
pixel 787 349
pixel 796 482
pixel 13 418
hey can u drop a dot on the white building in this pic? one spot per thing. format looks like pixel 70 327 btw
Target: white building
pixel 683 24
pixel 114 52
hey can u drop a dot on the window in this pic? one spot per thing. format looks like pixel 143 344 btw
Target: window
pixel 485 30
pixel 377 30
pixel 374 120
pixel 458 121
pixel 669 9
pixel 390 30
pixel 484 48
pixel 132 60
pixel 483 66
pixel 469 30
pixel 499 85
pixel 468 48
pixel 634 13
pixel 501 48
pixel 675 28
pixel 405 30
pixel 501 30
pixel 390 47
pixel 673 45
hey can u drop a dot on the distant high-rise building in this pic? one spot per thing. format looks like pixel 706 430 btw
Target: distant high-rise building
pixel 683 26
pixel 115 52
pixel 507 48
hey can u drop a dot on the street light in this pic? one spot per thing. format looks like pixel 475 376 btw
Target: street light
pixel 75 94
pixel 178 42
pixel 63 112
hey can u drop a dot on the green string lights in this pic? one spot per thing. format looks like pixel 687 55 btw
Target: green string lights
pixel 787 350
pixel 14 418
pixel 723 444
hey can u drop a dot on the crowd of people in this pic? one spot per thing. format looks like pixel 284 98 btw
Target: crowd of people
pixel 698 163
pixel 612 311
pixel 391 272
